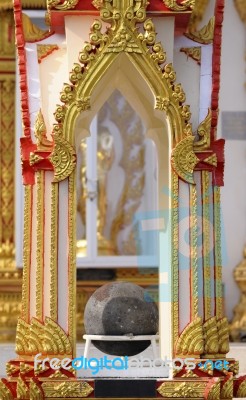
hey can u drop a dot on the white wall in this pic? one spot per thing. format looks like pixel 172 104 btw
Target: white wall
pixel 233 98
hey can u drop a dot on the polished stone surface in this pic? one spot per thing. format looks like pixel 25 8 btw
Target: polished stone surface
pixel 121 308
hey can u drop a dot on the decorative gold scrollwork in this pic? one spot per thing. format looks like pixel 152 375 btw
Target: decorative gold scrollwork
pixel 63 6
pixel 183 6
pixel 32 33
pixel 123 36
pixel 65 389
pixel 184 160
pixel 203 133
pixel 182 390
pixel 192 52
pixel 63 158
pixel 205 35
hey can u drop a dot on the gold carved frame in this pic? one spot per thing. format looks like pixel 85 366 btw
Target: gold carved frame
pixel 148 57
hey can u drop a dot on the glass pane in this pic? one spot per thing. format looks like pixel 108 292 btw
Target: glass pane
pixel 126 180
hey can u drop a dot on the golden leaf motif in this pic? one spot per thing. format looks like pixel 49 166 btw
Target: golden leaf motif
pixel 241 393
pixel 62 5
pixel 205 35
pixel 182 390
pixel 5 393
pixel 67 389
pixel 35 391
pixel 22 389
pixel 203 133
pixel 214 393
pixel 191 339
pixel 32 33
pixel 227 389
pixel 44 50
pixel 45 338
pixel 223 335
pixel 184 160
pixel 192 52
pixel 183 6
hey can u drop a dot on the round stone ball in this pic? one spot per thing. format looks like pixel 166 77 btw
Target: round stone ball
pixel 121 308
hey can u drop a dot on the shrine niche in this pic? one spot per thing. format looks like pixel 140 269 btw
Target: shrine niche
pixel 123 59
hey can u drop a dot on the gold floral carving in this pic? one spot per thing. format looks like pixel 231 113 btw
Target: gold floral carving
pixel 63 158
pixel 193 252
pixel 185 390
pixel 25 368
pixel 46 338
pixel 175 255
pixel 26 251
pixel 62 5
pixel 162 103
pixel 184 160
pixel 193 52
pixel 22 389
pixel 72 260
pixel 206 243
pixel 223 335
pixel 241 8
pixel 123 29
pixel 211 336
pixel 218 257
pixel 34 158
pixel 7 140
pixel 35 391
pixel 227 389
pixel 5 393
pixel 54 252
pixel 40 244
pixel 191 339
pixel 203 133
pixel 205 35
pixel 21 342
pixel 67 389
pixel 185 5
pixel 32 33
pixel 44 50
